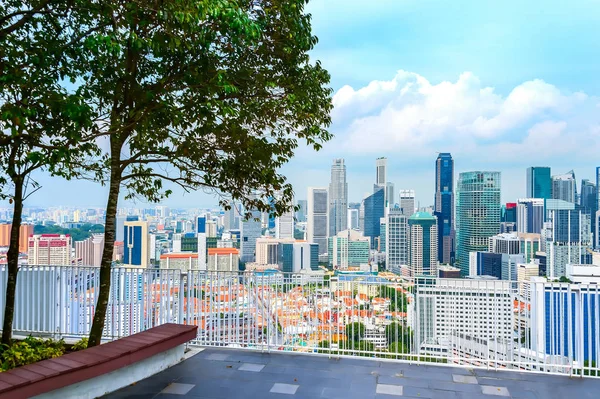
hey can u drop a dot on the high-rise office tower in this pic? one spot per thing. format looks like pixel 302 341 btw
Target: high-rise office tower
pixel 389 194
pixel 567 236
pixel 201 237
pixel 589 202
pixel 407 202
pixel 49 250
pixel 564 187
pixel 423 249
pixel 374 206
pixel 317 225
pixel 284 225
pixel 136 242
pixel 539 182
pixel 530 215
pixel 381 172
pixel 301 213
pixel 338 198
pixel 477 213
pixel 349 248
pixel 250 231
pixel 353 219
pixel 396 254
pixel 444 206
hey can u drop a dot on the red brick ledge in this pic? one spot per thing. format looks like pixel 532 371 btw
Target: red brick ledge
pixel 48 375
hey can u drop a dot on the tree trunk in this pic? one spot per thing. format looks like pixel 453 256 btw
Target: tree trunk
pixel 107 253
pixel 13 262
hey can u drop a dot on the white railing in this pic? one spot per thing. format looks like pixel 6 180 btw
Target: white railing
pixel 541 327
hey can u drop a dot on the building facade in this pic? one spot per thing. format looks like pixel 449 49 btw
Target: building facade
pixel 530 215
pixel 136 244
pixel 90 251
pixel 25 231
pixel 539 182
pixel 407 202
pixel 423 249
pixel 443 207
pixel 49 250
pixel 397 236
pixel 374 206
pixel 223 260
pixel 564 187
pixel 317 225
pixel 338 198
pixel 349 248
pixel 294 257
pixel 250 231
pixel 477 213
pixel 181 261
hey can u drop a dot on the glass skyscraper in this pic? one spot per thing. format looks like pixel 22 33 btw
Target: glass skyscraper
pixel 374 206
pixel 477 213
pixel 423 244
pixel 338 198
pixel 539 182
pixel 444 207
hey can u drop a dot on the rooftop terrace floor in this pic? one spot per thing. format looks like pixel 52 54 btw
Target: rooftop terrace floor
pixel 227 373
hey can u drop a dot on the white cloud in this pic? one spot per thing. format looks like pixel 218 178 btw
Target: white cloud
pixel 409 115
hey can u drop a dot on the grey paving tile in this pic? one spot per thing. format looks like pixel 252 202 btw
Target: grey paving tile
pixel 384 389
pixel 494 390
pixel 287 389
pixel 254 367
pixel 454 387
pixel 464 379
pixel 177 388
pixel 422 373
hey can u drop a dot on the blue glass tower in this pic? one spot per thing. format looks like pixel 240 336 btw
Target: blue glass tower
pixel 539 182
pixel 444 206
pixel 374 211
pixel 477 214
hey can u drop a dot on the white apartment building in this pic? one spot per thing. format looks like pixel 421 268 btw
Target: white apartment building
pixel 49 250
pixel 480 308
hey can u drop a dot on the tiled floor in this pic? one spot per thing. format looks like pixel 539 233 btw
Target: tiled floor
pixel 220 373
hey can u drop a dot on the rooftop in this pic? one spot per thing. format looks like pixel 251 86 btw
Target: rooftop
pixel 233 373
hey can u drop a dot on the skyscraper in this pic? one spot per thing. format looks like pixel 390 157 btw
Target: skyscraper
pixel 539 182
pixel 136 244
pixel 407 202
pixel 389 194
pixel 374 210
pixel 530 215
pixel 250 231
pixel 396 253
pixel 477 213
pixel 567 236
pixel 317 225
pixel 444 206
pixel 423 249
pixel 301 213
pixel 589 202
pixel 284 225
pixel 564 187
pixel 381 172
pixel 338 198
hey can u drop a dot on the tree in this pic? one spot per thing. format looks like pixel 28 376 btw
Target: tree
pixel 398 347
pixel 396 332
pixel 564 279
pixel 355 331
pixel 211 94
pixel 44 126
pixel 398 300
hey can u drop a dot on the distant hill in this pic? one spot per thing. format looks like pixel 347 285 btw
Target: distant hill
pixel 80 234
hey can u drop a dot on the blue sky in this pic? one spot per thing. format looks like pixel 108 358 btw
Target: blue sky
pixel 501 85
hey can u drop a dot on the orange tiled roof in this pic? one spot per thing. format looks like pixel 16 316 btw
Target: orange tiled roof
pixel 223 251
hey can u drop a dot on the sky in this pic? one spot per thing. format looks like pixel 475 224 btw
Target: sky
pixel 500 85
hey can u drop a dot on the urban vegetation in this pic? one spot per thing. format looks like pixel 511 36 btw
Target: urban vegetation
pixel 31 350
pixel 77 234
pixel 201 94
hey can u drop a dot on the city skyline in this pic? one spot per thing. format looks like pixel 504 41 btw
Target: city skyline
pixel 478 91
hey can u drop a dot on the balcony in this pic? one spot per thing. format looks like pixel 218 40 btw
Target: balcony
pixel 473 328
pixel 235 373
